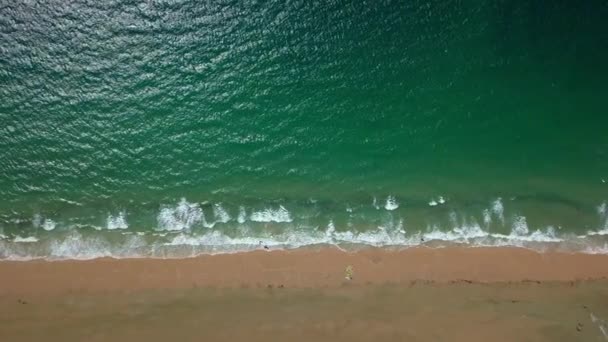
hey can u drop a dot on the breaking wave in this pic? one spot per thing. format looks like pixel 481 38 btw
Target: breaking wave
pixel 176 244
pixel 117 222
pixel 183 230
pixel 272 215
pixel 183 216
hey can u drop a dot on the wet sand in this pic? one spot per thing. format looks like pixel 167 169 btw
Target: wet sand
pixel 456 294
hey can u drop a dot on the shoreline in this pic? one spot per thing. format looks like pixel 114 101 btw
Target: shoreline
pixel 302 268
pixel 418 294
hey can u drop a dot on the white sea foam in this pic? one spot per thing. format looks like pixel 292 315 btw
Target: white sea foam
pixel 331 229
pixel 391 203
pixel 25 239
pixel 458 234
pixel 175 222
pixel 498 210
pixel 220 214
pixel 603 212
pixel 520 226
pixel 36 220
pixel 76 246
pixel 602 209
pixel 548 235
pixel 183 216
pixel 603 231
pixel 487 217
pixel 271 215
pixel 375 203
pixel 218 239
pixel 45 223
pixel 48 224
pixel 167 244
pixel 435 202
pixel 117 222
pixel 379 237
pixel 400 227
pixel 242 215
pixel 596 249
pixel 292 239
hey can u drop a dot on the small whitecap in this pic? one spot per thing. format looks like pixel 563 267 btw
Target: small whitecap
pixel 400 228
pixel 487 217
pixel 216 239
pixel 117 222
pixel 37 220
pixel 375 203
pixel 181 217
pixel 242 215
pixel 438 201
pixel 76 246
pixel 271 215
pixel 25 239
pixel 380 237
pixel 602 209
pixel 520 226
pixel 221 215
pixel 456 234
pixel 331 229
pixel 391 203
pixel 48 224
pixel 498 209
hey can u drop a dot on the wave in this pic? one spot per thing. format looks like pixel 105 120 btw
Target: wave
pixel 434 203
pixel 391 203
pixel 183 227
pixel 242 215
pixel 117 222
pixel 272 215
pixel 177 244
pixel 25 239
pixel 45 223
pixel 498 209
pixel 221 215
pixel 183 216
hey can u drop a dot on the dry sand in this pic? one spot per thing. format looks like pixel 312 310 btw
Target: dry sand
pixel 421 294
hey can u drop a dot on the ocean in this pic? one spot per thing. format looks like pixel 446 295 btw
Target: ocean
pixel 178 128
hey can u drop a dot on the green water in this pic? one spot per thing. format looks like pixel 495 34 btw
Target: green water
pixel 247 113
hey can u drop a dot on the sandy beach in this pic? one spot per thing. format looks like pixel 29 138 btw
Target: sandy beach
pixel 420 294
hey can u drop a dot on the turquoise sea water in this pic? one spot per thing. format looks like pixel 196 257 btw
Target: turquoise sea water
pixel 172 128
